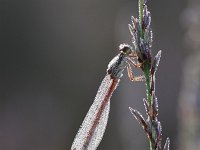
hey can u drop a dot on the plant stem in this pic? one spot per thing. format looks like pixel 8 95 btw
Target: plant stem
pixel 148 83
pixel 142 40
pixel 151 147
pixel 141 5
pixel 146 66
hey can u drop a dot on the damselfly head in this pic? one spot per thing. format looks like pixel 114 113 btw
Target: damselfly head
pixel 126 50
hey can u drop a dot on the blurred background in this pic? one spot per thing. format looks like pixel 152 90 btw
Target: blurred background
pixel 54 54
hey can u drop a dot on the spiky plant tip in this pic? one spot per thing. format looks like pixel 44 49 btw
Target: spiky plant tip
pixel 142 38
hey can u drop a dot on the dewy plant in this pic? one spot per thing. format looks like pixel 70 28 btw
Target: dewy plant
pixel 142 40
pixel 92 129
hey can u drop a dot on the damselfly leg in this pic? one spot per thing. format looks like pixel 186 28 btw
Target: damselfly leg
pixel 130 72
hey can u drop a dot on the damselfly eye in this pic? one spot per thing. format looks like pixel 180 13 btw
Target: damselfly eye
pixel 125 49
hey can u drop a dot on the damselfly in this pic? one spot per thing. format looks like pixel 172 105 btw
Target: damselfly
pixel 94 124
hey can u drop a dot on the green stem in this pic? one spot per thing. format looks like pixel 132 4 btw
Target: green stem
pixel 147 74
pixel 149 95
pixel 151 147
pixel 141 7
pixel 148 83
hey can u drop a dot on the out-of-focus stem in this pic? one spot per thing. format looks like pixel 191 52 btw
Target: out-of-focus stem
pixel 189 108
